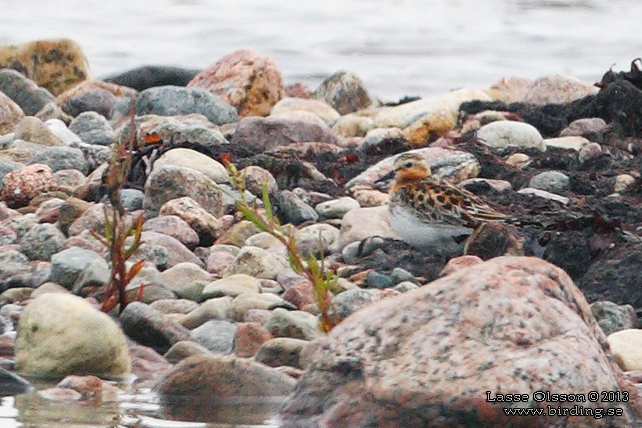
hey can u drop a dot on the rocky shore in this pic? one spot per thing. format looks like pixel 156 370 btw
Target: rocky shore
pixel 547 302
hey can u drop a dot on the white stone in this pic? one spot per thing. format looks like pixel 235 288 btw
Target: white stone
pixel 195 160
pixel 507 133
pixel 626 348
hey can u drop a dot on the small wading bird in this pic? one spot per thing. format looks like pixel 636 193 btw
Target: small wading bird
pixel 431 214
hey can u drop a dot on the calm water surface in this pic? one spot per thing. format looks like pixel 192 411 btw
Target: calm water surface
pixel 399 47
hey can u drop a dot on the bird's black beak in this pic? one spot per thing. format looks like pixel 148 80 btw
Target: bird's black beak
pixel 386 177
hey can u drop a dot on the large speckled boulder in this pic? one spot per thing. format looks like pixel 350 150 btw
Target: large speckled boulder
pixel 245 79
pixel 94 95
pixel 61 334
pixel 169 182
pixel 344 91
pixel 429 356
pixel 56 65
pixel 23 184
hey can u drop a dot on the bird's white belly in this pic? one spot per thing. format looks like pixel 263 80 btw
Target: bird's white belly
pixel 425 235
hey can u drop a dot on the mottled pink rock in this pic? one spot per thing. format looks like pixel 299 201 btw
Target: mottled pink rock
pixel 148 365
pixel 584 126
pixel 6 212
pixel 300 295
pixel 510 89
pixel 249 338
pixel 458 263
pixel 429 356
pixel 178 252
pixel 268 133
pixel 557 89
pixel 206 226
pixel 298 90
pixel 247 80
pixel 10 114
pixel 23 184
pixel 218 261
pixel 173 226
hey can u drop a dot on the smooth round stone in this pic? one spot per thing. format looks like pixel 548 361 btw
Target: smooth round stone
pixel 132 199
pixel 551 181
pixel 35 131
pixel 216 335
pixel 248 301
pixel 256 262
pixel 256 177
pixel 405 286
pixel 180 275
pixel 352 125
pixel 174 306
pixel 570 142
pixel 310 238
pixel 318 107
pixel 352 300
pixel 584 126
pixel 266 241
pixel 379 136
pixel 294 324
pixel 336 208
pixel 69 264
pixel 399 275
pixel 518 160
pixel 612 317
pixel 70 179
pixel 282 351
pixel 622 181
pixel 344 91
pixel 212 309
pixel 377 280
pixel 507 133
pixel 626 348
pixel 589 151
pixel 93 128
pixel 184 349
pixel 232 286
pixel 62 334
pixel 58 158
pixel 192 159
pixel 61 131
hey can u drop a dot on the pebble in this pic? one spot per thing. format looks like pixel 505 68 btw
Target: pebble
pixel 59 158
pixel 93 128
pixel 296 211
pixel 344 91
pixel 216 335
pixel 551 181
pixel 23 91
pixel 509 133
pixel 69 264
pixel 544 194
pixel 568 142
pixel 42 242
pixel 232 286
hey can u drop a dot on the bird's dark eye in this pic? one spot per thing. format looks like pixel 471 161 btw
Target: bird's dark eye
pixel 408 165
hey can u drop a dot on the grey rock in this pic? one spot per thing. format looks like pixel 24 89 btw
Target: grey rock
pixel 352 300
pixel 42 241
pixel 336 208
pixel 132 199
pixel 185 349
pixel 216 335
pixel 23 91
pixel 148 327
pixel 93 128
pixel 69 264
pixel 377 280
pixel 551 181
pixel 7 166
pixel 295 210
pixel 399 275
pixel 612 317
pixel 12 384
pixel 59 158
pixel 344 91
pixel 176 101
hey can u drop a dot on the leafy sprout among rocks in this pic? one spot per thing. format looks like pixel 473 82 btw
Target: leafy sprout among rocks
pixel 117 229
pixel 323 280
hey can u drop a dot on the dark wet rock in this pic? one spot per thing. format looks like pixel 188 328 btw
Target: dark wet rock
pixel 176 101
pixel 216 335
pixel 344 91
pixel 149 76
pixel 294 210
pixel 148 327
pixel 282 351
pixel 59 158
pixel 611 317
pixel 23 91
pixel 614 276
pixel 395 348
pixel 93 128
pixel 12 384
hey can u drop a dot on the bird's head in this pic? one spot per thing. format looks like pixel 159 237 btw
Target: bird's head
pixel 408 167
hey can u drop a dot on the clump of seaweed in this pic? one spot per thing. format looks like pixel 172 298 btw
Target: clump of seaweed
pixel 323 280
pixel 117 229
